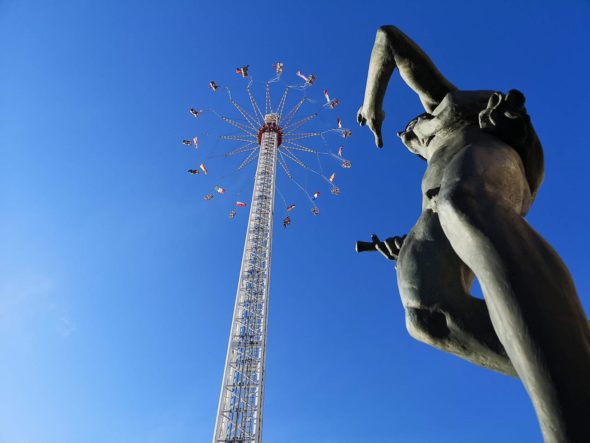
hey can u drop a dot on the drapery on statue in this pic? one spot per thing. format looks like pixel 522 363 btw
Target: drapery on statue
pixel 484 168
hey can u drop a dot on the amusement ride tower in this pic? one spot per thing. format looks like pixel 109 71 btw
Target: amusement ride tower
pixel 272 136
pixel 239 414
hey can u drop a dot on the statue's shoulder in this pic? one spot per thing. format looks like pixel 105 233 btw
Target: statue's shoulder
pixel 462 104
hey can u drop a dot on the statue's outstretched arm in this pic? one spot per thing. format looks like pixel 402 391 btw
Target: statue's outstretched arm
pixel 393 49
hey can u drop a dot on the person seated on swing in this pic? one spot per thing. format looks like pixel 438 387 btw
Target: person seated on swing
pixel 194 112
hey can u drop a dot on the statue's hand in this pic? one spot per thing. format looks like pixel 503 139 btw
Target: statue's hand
pixel 374 119
pixel 506 116
pixel 389 247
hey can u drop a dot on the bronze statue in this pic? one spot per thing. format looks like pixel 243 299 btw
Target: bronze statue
pixel 484 168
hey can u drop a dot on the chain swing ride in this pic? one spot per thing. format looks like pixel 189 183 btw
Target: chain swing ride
pixel 273 137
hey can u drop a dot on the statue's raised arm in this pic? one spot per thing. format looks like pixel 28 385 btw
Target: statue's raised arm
pixel 393 49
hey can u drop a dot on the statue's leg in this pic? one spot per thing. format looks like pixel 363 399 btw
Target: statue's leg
pixel 529 293
pixel 434 287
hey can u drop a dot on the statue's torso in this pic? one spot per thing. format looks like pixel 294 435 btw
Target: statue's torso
pixel 451 127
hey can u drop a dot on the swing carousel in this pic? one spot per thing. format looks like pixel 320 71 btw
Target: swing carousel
pixel 304 150
pixel 288 136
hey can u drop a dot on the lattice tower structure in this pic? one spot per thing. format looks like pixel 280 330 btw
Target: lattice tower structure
pixel 240 410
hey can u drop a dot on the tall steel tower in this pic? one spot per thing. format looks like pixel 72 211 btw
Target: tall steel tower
pixel 274 136
pixel 239 414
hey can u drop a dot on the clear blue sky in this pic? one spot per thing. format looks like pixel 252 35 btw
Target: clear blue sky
pixel 117 281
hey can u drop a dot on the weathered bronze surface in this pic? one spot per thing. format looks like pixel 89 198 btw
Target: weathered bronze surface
pixel 484 168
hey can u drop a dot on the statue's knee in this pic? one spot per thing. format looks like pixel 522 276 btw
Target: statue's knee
pixel 426 325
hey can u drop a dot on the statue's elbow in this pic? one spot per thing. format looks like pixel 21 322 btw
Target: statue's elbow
pixel 387 32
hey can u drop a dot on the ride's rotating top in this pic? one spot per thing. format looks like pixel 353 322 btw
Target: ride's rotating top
pixel 271 124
